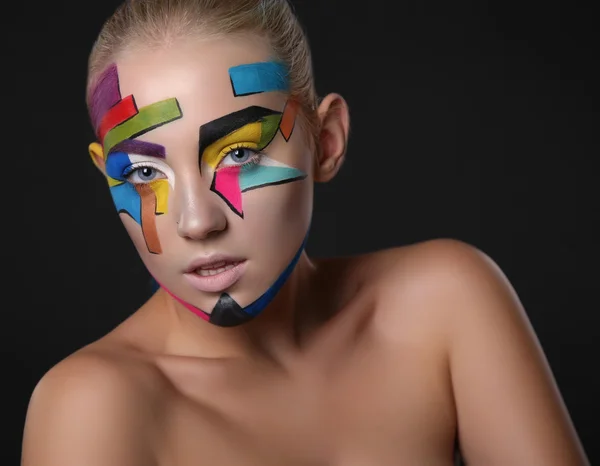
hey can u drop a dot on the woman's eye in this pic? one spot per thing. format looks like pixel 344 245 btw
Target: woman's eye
pixel 238 156
pixel 144 175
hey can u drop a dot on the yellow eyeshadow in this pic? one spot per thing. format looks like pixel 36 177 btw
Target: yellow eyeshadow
pixel 248 135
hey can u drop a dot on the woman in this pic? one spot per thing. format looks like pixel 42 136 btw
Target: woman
pixel 210 135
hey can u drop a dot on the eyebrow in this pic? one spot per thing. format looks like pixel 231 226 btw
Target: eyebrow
pixel 131 146
pixel 221 127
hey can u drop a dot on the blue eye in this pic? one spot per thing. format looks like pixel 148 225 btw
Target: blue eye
pixel 142 173
pixel 239 156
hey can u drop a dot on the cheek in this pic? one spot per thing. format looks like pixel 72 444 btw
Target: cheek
pixel 277 221
pixel 279 192
pixel 135 233
pixel 281 209
pixel 143 204
pixel 156 264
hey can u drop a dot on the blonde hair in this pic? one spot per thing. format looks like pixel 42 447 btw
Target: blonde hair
pixel 156 22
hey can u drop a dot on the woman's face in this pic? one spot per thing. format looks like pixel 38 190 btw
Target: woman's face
pixel 209 169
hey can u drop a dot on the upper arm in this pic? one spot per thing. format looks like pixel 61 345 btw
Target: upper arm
pixel 509 408
pixel 84 412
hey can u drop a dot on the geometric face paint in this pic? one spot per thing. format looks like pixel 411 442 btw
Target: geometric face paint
pixel 117 122
pixel 228 313
pixel 231 182
pixel 142 201
pixel 252 128
pixel 255 78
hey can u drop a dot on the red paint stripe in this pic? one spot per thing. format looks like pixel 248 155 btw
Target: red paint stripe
pixel 116 115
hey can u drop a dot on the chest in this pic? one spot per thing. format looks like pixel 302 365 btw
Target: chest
pixel 361 409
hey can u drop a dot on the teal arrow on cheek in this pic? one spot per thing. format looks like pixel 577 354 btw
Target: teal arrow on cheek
pixel 267 173
pixel 230 182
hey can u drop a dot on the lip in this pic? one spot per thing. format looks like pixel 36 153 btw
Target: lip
pixel 218 282
pixel 207 261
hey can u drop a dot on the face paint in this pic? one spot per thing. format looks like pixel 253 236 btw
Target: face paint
pixel 253 129
pixel 117 122
pixel 116 115
pixel 255 78
pixel 228 313
pixel 267 172
pixel 256 125
pixel 148 118
pixel 288 119
pixel 149 209
pixel 104 96
pixel 131 146
pixel 142 201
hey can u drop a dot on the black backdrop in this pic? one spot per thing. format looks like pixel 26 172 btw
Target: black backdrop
pixel 473 122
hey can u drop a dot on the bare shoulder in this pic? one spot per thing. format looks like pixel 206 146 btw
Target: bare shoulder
pixel 438 260
pixel 508 405
pixel 93 408
pixel 434 280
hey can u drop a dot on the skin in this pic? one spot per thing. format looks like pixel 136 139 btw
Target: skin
pixel 379 358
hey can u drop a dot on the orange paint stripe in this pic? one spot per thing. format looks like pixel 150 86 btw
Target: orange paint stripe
pixel 148 199
pixel 288 119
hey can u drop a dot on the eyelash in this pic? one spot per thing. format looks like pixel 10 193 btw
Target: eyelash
pixel 255 159
pixel 131 169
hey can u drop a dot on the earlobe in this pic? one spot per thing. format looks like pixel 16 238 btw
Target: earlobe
pixel 97 155
pixel 333 136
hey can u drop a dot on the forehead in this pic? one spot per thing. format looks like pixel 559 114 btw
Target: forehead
pixel 197 73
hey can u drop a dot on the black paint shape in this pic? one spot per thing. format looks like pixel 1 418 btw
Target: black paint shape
pixel 228 313
pixel 221 127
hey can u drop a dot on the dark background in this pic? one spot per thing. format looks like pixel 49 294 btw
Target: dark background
pixel 476 122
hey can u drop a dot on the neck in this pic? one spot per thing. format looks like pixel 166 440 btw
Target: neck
pixel 278 329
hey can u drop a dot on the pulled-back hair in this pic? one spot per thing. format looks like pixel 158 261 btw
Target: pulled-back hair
pixel 160 22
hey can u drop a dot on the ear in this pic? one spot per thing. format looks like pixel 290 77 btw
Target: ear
pixel 333 136
pixel 97 154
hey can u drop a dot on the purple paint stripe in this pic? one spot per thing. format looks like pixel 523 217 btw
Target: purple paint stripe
pixel 104 95
pixel 132 146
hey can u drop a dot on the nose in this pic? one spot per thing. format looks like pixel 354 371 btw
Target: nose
pixel 200 215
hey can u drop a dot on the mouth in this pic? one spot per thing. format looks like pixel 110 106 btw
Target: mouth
pixel 215 276
pixel 216 268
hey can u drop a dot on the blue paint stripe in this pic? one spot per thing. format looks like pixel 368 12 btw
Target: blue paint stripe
pixel 259 77
pixel 261 303
pixel 116 163
pixel 127 199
